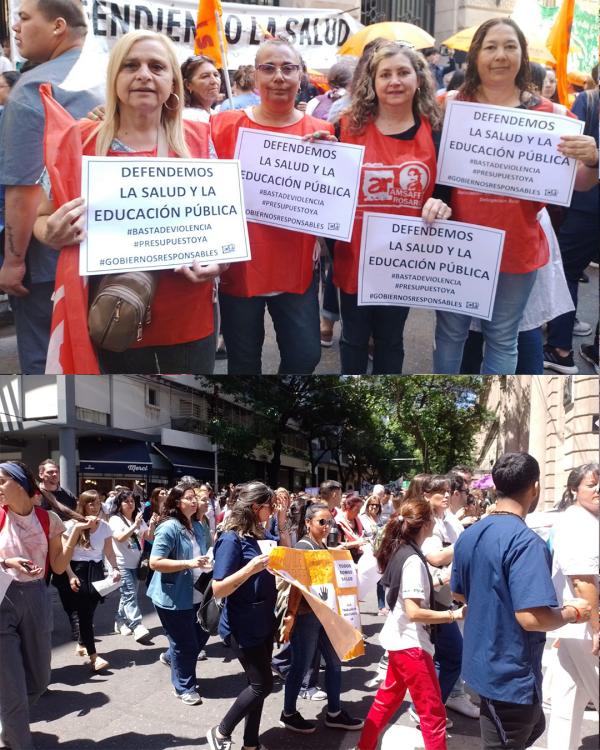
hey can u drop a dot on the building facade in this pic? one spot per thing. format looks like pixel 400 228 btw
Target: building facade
pixel 120 429
pixel 553 417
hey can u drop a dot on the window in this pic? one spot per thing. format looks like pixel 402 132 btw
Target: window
pixel 152 397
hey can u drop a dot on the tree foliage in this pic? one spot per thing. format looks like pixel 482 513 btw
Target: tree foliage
pixel 372 428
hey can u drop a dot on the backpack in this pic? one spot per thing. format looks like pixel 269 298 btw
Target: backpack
pixel 120 309
pixel 43 518
pixel 209 611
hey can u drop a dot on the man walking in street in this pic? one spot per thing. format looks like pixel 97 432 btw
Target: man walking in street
pixel 502 570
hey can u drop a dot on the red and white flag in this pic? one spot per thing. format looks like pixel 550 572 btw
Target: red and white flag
pixel 71 350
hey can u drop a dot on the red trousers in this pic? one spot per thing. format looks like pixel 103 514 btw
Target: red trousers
pixel 410 669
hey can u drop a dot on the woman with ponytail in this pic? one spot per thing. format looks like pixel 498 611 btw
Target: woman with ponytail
pixel 406 633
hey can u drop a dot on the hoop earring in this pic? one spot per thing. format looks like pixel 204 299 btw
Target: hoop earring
pixel 172 109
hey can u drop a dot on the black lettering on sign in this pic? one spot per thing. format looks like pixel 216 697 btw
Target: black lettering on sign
pixel 317 42
pixel 289 28
pixel 305 32
pixel 141 10
pixel 98 14
pixel 330 29
pixel 254 33
pixel 190 27
pixel 344 32
pixel 119 15
pixel 233 29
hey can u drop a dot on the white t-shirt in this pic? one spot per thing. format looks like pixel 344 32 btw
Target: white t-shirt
pixel 445 532
pixel 128 553
pixel 23 536
pixel 575 553
pixel 95 553
pixel 398 632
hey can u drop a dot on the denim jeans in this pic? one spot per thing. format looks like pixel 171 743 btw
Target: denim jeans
pixel 306 635
pixel 448 656
pixel 195 357
pixel 296 322
pixel 380 596
pixel 186 640
pixel 33 316
pixel 500 333
pixel 282 661
pixel 128 612
pixel 385 323
pixel 578 240
pixel 530 360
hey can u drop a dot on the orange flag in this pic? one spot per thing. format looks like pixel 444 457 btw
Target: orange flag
pixel 559 41
pixel 207 33
pixel 70 350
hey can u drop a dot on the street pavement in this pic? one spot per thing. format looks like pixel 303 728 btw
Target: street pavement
pixel 130 706
pixel 418 340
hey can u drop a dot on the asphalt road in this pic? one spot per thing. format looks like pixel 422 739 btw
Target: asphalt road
pixel 418 340
pixel 131 707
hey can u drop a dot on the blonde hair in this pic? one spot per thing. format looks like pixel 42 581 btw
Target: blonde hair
pixel 364 104
pixel 171 117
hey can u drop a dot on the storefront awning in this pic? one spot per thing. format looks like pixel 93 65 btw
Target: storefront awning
pixel 120 457
pixel 184 461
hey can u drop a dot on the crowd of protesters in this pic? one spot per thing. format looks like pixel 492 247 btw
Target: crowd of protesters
pixel 391 101
pixel 441 566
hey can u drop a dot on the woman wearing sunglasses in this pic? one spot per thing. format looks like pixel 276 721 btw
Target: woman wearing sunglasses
pixel 306 634
pixel 247 623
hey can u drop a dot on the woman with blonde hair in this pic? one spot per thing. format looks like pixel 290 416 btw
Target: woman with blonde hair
pixel 143 118
pixel 394 114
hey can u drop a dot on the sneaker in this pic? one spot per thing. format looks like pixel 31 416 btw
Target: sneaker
pixel 80 650
pixel 313 694
pixel 462 705
pixel 190 699
pixel 163 659
pixel 553 361
pixel 296 723
pixel 584 278
pixel 140 633
pixel 590 354
pixel 218 743
pixel 122 629
pixel 202 656
pixel 343 720
pixel 581 328
pixel 98 663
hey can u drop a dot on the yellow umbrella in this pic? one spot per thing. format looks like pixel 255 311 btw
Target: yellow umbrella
pixel 393 30
pixel 538 52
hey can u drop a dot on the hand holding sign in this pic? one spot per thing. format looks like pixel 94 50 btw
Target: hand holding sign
pixel 581 147
pixel 63 227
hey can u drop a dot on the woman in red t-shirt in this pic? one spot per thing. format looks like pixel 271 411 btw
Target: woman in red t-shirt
pixel 281 274
pixel 498 74
pixel 143 117
pixel 392 113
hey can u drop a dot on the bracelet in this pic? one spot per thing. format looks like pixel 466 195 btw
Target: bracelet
pixel 452 617
pixel 577 612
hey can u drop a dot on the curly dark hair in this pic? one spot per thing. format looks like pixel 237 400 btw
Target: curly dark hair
pixel 171 507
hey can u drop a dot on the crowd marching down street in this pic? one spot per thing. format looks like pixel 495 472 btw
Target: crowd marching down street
pixel 400 183
pixel 466 591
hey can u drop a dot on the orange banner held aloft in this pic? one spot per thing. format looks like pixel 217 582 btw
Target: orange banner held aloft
pixel 559 41
pixel 210 14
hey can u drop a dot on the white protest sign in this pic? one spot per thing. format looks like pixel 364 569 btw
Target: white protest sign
pixel 149 214
pixel 507 151
pixel 443 266
pixel 106 586
pixel 349 609
pixel 345 574
pixel 299 185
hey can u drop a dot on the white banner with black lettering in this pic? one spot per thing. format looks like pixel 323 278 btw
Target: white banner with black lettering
pixel 507 151
pixel 442 266
pixel 148 214
pixel 317 33
pixel 300 185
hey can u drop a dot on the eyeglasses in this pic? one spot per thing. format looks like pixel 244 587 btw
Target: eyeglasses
pixel 287 70
pixel 323 521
